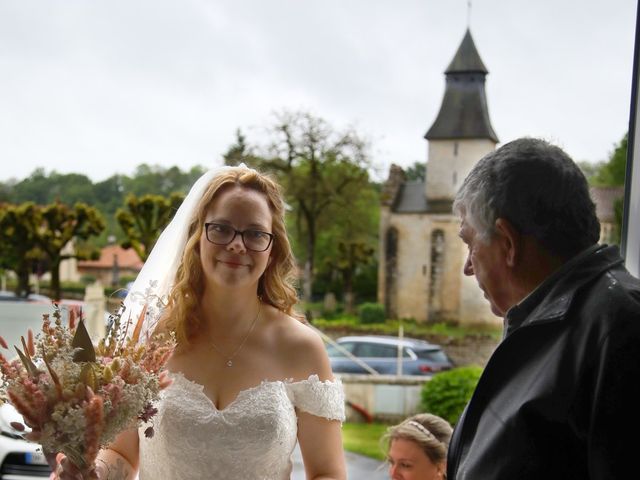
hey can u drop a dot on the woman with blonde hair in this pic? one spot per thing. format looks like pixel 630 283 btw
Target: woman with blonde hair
pixel 417 448
pixel 250 379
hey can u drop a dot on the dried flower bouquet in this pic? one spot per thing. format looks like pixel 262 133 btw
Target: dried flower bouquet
pixel 76 397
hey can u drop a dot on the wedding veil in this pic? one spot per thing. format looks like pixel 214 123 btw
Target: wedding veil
pixel 154 282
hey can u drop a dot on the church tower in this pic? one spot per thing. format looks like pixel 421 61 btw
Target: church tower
pixel 421 260
pixel 462 132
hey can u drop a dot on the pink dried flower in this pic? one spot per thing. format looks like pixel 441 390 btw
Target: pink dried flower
pixel 30 417
pixel 17 426
pixel 72 317
pixel 30 346
pixel 94 415
pixel 3 343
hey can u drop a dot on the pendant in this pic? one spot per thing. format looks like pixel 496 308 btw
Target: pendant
pixel 229 363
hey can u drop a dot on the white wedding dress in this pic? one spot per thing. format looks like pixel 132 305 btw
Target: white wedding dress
pixel 252 438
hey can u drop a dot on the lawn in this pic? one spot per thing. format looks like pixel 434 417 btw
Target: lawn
pixel 364 438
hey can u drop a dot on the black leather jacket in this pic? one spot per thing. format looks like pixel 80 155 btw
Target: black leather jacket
pixel 560 396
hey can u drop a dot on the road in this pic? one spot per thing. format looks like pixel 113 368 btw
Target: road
pixel 358 467
pixel 17 317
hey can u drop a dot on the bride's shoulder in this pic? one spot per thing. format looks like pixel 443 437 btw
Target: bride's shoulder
pixel 299 344
pixel 288 328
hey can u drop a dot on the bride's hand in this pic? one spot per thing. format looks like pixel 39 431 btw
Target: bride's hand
pixel 65 470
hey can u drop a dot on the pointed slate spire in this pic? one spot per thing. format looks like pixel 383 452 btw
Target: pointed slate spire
pixel 467 59
pixel 464 112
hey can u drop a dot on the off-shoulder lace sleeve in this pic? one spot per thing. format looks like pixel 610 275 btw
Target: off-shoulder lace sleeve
pixel 321 398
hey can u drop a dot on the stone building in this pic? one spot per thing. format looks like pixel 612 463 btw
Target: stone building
pixel 605 199
pixel 421 258
pixel 114 263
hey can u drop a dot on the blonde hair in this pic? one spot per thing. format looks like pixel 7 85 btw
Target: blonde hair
pixel 430 432
pixel 276 284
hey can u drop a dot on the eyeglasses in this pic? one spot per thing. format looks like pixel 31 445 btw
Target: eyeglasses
pixel 254 240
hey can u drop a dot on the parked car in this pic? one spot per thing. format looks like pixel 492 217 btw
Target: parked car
pixel 8 296
pixel 381 354
pixel 19 459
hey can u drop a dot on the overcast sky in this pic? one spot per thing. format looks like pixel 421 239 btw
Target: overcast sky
pixel 100 86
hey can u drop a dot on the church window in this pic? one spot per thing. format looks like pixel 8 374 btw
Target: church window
pixel 391 272
pixel 436 273
pixel 455 149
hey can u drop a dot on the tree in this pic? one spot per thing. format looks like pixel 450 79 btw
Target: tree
pixel 158 180
pixel 315 165
pixel 144 219
pixel 43 189
pixel 348 242
pixel 590 170
pixel 612 172
pixel 61 223
pixel 18 248
pixel 350 256
pixel 240 152
pixel 6 192
pixel 416 172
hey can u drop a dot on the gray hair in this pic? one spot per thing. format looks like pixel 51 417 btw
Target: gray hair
pixel 536 187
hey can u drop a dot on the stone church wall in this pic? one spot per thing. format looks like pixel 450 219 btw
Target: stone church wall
pixel 412 265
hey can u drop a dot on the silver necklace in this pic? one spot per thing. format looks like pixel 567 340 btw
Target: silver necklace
pixel 230 358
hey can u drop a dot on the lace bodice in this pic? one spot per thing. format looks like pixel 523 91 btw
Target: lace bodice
pixel 252 438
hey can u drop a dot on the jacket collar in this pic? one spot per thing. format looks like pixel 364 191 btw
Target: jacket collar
pixel 552 298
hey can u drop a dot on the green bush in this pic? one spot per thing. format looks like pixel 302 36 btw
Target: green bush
pixel 447 393
pixel 126 279
pixel 371 313
pixel 87 279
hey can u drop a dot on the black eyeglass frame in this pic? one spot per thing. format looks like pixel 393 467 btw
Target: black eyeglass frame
pixel 235 234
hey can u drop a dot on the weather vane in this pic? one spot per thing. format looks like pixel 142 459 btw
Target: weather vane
pixel 468 13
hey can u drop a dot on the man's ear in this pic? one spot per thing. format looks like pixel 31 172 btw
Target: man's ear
pixel 510 239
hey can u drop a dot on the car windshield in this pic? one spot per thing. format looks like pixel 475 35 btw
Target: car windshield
pixel 432 355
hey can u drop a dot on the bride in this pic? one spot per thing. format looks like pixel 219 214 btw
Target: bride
pixel 249 377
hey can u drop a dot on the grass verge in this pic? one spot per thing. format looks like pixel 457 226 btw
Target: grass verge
pixel 364 438
pixel 411 328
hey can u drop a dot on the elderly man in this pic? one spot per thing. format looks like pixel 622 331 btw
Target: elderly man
pixel 560 396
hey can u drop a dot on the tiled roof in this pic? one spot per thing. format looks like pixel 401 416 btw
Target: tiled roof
pixel 126 259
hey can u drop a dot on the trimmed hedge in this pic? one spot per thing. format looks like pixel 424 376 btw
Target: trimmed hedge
pixel 371 313
pixel 447 393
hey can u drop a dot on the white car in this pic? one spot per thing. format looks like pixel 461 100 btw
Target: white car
pixel 19 459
